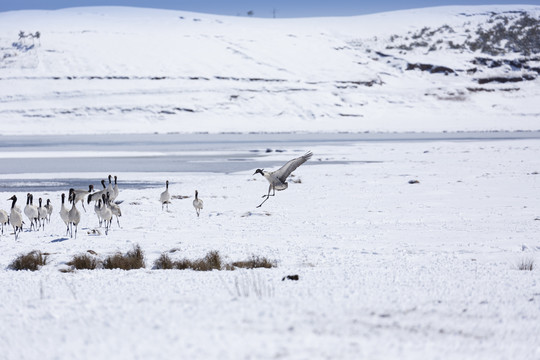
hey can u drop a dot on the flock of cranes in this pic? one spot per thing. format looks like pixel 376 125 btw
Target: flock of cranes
pixel 106 208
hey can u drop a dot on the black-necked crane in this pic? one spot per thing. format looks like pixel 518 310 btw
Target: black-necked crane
pixel 80 194
pixel 197 203
pixel 97 210
pixel 42 214
pixel 4 219
pixel 110 186
pixel 97 195
pixel 31 212
pixel 74 216
pixel 49 208
pixel 15 217
pixel 278 178
pixel 64 213
pixel 165 196
pixel 106 214
pixel 115 190
pixel 115 209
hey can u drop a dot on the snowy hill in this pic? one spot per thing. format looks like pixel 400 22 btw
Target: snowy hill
pixel 132 70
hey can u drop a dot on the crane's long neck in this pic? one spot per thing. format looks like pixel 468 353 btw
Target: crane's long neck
pixel 13 204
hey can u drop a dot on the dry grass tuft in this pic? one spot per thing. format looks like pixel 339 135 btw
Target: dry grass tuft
pixel 31 261
pixel 526 264
pixel 254 262
pixel 164 262
pixel 84 262
pixel 133 259
pixel 211 261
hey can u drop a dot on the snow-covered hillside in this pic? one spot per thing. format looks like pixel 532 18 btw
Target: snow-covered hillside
pixel 132 70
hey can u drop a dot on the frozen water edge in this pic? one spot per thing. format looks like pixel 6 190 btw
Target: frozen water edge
pixel 387 269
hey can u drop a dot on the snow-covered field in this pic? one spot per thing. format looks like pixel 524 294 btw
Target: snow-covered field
pixel 128 70
pixel 404 249
pixel 387 269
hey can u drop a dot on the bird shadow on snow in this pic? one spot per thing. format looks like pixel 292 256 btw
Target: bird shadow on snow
pixel 59 240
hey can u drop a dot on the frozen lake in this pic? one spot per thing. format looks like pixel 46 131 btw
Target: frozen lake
pixel 215 153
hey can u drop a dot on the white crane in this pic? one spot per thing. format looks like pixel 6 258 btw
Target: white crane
pixel 106 214
pixel 165 197
pixel 97 210
pixel 115 209
pixel 15 217
pixel 278 178
pixel 97 195
pixel 110 186
pixel 197 203
pixel 42 214
pixel 49 208
pixel 64 213
pixel 74 216
pixel 31 211
pixel 4 219
pixel 115 191
pixel 80 194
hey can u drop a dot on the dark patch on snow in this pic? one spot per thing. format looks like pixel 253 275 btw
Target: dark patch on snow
pixel 433 69
pixel 291 277
pixel 504 79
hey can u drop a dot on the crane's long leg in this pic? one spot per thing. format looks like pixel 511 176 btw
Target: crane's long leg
pixel 268 196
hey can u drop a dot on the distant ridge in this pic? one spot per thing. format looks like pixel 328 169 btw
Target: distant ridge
pixel 133 70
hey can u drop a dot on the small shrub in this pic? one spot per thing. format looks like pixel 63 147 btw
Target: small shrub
pixel 164 262
pixel 526 264
pixel 83 261
pixel 211 261
pixel 184 264
pixel 31 261
pixel 254 262
pixel 133 259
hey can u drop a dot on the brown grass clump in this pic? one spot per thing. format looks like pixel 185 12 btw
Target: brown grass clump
pixel 84 261
pixel 254 262
pixel 31 261
pixel 164 262
pixel 184 264
pixel 211 261
pixel 133 259
pixel 526 264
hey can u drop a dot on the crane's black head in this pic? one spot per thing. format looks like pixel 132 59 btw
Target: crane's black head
pixel 259 171
pixel 90 188
pixel 110 178
pixel 13 198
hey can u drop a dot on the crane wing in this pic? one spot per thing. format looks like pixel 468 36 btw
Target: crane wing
pixel 286 170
